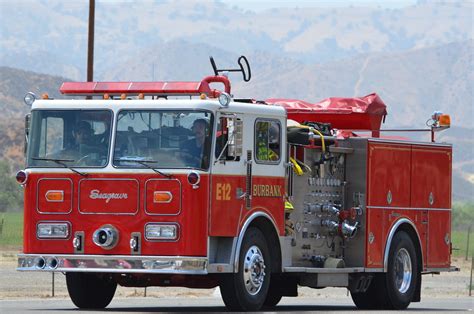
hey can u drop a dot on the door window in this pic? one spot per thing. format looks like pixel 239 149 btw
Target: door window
pixel 267 141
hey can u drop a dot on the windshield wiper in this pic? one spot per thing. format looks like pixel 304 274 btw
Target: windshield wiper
pixel 145 163
pixel 62 162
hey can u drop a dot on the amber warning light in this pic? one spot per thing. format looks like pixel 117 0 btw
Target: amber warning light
pixel 54 196
pixel 440 119
pixel 444 120
pixel 162 197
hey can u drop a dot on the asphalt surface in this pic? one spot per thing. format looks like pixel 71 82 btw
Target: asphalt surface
pixel 214 304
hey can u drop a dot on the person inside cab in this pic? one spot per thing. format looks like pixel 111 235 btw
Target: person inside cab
pixel 268 143
pixel 83 134
pixel 194 150
pixel 81 143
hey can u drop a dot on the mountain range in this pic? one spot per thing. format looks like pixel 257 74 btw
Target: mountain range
pixel 50 36
pixel 418 58
pixel 14 83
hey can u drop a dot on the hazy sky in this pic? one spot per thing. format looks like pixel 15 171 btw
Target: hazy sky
pixel 268 4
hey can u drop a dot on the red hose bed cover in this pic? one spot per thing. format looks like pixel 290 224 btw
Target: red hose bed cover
pixel 359 113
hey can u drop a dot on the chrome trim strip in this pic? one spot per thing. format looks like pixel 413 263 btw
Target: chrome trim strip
pixel 107 179
pixel 390 238
pixel 407 208
pixel 373 270
pixel 242 233
pixel 37 196
pixel 438 270
pixel 179 197
pixel 118 264
pixel 320 270
pixel 389 141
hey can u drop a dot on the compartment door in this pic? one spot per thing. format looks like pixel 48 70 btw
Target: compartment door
pixel 431 192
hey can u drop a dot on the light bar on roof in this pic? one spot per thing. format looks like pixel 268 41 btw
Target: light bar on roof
pixel 135 88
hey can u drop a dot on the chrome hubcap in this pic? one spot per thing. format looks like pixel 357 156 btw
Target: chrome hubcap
pixel 403 270
pixel 254 270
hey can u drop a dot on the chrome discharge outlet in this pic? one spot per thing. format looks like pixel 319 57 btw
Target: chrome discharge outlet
pixel 342 228
pixel 349 231
pixel 105 237
pixel 39 262
pixel 52 263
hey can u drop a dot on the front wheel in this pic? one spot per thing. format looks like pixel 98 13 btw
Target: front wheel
pixel 247 289
pixel 274 295
pixel 89 291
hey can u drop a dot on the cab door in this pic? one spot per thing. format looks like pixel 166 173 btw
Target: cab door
pixel 269 169
pixel 228 175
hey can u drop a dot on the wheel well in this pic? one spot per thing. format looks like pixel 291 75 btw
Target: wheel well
pixel 273 241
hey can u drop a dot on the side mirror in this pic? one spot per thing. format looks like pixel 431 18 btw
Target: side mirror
pixel 27 131
pixel 235 127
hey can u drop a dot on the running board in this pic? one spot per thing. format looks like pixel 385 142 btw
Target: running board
pixel 315 270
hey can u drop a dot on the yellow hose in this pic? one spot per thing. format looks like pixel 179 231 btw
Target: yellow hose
pixel 323 145
pixel 296 167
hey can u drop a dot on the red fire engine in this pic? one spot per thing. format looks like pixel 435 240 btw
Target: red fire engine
pixel 181 184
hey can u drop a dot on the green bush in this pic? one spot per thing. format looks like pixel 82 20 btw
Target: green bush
pixel 11 194
pixel 462 215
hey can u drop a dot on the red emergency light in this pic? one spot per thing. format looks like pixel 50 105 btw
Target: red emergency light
pixel 147 88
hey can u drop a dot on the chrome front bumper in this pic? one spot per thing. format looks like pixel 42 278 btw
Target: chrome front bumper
pixel 113 264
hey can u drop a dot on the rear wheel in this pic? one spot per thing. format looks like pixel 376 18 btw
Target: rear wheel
pixel 89 291
pixel 396 289
pixel 402 275
pixel 247 289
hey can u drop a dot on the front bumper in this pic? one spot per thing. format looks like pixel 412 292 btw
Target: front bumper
pixel 113 264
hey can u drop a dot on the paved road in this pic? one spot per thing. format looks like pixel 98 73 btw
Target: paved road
pixel 149 304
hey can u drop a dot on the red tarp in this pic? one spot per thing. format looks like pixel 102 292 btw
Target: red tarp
pixel 360 113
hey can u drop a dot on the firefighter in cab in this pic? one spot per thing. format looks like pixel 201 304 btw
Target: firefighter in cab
pixel 268 141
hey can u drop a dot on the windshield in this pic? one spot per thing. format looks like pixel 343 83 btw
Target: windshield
pixel 163 139
pixel 77 138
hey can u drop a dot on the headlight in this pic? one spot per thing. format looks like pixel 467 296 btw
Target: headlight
pixel 161 231
pixel 56 230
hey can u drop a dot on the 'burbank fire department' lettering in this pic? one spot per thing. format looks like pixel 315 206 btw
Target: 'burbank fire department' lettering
pixel 265 190
pixel 95 194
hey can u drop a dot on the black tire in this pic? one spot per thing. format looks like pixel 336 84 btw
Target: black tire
pixel 274 295
pixel 89 291
pixel 239 293
pixel 386 291
pixel 401 291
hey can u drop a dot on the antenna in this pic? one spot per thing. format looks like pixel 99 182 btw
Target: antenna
pixel 247 75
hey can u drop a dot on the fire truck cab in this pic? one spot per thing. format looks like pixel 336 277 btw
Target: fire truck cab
pixel 205 190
